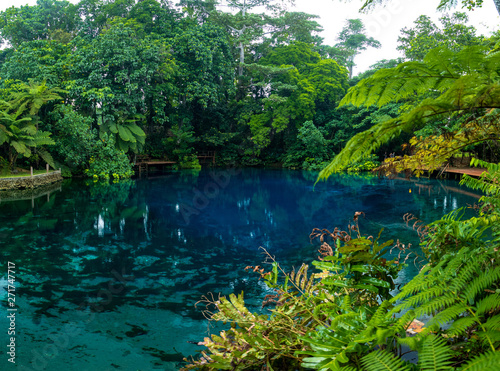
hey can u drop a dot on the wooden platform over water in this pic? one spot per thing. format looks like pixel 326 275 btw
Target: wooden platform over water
pixel 144 162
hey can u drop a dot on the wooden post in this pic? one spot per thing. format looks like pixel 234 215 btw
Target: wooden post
pixel 31 169
pixel 47 168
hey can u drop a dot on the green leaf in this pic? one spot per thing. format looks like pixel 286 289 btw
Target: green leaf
pixel 125 134
pixel 381 360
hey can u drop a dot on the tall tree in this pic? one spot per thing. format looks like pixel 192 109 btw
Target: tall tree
pixel 416 42
pixel 123 78
pixel 37 22
pixel 353 40
pixel 292 80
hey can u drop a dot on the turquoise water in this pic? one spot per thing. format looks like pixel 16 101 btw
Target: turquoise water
pixel 107 278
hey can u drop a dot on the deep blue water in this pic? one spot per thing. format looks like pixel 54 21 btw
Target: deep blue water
pixel 107 277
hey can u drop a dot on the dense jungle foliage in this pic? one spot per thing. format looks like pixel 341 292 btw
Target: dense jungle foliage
pixel 89 86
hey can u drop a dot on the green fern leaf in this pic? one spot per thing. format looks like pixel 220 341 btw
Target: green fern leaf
pixel 490 338
pixel 459 326
pixel 493 323
pixel 491 302
pixel 489 361
pixel 484 280
pixel 381 360
pixel 448 314
pixel 47 157
pixel 435 354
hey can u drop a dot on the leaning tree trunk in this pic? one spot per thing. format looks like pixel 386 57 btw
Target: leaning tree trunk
pixel 497 5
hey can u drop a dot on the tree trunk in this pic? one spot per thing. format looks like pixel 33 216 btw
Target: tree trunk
pixel 350 65
pixel 242 59
pixel 497 5
pixel 12 158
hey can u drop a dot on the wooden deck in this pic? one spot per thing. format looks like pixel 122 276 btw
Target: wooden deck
pixel 152 163
pixel 144 162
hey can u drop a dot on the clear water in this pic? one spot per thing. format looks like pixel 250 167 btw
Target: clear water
pixel 107 278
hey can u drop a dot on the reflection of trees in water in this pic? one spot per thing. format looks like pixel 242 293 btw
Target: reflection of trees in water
pixel 55 242
pixel 68 246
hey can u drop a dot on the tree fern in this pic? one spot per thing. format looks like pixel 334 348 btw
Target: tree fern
pixel 462 81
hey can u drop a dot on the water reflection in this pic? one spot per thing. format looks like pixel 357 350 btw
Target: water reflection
pixel 124 264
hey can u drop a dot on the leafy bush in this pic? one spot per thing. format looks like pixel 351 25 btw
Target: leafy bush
pixel 310 151
pixel 305 305
pixel 189 162
pixel 108 161
pixel 179 143
pixel 368 163
pixel 74 138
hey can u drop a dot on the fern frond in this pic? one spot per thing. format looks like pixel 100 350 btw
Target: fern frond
pixel 362 144
pixel 436 304
pixel 488 361
pixel 491 302
pixel 346 303
pixel 417 284
pixel 435 354
pixel 490 338
pixel 459 326
pixel 467 273
pixel 402 323
pixel 448 314
pixel 424 296
pixel 381 360
pixel 493 323
pixel 484 280
pixel 47 157
pixel 457 87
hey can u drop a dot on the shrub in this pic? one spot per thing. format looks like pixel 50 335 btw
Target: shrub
pixel 108 161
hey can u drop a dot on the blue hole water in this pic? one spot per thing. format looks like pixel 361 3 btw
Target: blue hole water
pixel 108 277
